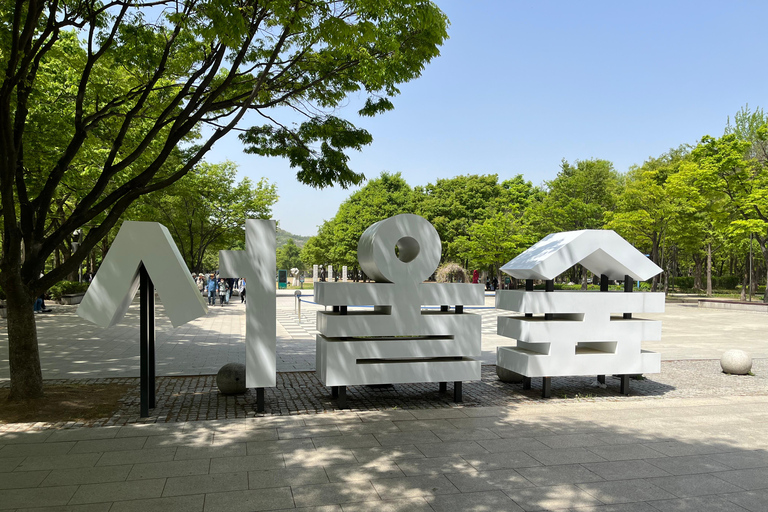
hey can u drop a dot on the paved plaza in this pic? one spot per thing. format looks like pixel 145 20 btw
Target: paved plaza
pixel 690 438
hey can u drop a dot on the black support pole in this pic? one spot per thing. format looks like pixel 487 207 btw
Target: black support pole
pixel 342 401
pixel 146 342
pixel 259 399
pixel 603 283
pixel 628 285
pixel 546 387
pixel 529 288
pixel 624 389
pixel 443 387
pixel 457 397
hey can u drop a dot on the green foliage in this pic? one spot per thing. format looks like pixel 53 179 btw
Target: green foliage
pixel 205 211
pixel 289 256
pixel 66 288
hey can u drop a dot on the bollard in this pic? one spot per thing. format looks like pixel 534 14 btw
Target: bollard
pixel 297 308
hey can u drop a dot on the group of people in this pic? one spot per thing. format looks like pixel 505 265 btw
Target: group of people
pixel 210 286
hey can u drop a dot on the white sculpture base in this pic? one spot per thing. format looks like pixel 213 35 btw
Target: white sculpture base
pixel 588 337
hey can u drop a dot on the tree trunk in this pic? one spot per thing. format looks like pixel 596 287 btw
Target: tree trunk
pixel 709 270
pixel 584 281
pixel 697 264
pixel 745 281
pixel 23 352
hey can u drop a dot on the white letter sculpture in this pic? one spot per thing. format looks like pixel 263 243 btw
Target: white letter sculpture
pixel 257 265
pixel 397 341
pixel 143 253
pixel 572 332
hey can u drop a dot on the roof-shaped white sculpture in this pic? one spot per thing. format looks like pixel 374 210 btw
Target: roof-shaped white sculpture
pixel 600 251
pixel 115 284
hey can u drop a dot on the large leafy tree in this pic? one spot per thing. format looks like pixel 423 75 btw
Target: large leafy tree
pixel 103 101
pixel 206 209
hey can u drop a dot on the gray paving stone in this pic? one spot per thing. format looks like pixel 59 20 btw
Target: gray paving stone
pixel 438 414
pixel 500 479
pixel 210 452
pixel 29 436
pixel 264 461
pixel 419 437
pixel 625 491
pixel 451 449
pixel 680 448
pixel 347 442
pixel 92 507
pixel 117 491
pixel 35 449
pixel 747 479
pixel 556 475
pixel 10 464
pixel 329 494
pixel 36 497
pixel 109 445
pixel 366 416
pixel 283 446
pixel 148 429
pixel 521 444
pixel 434 466
pixel 176 504
pixel 688 486
pixel 22 479
pixel 413 486
pixel 80 434
pixel 404 505
pixel 419 425
pixel 249 501
pixel 407 451
pixel 703 504
pixel 555 456
pixel 319 457
pixel 149 470
pixel 616 452
pixel 365 471
pixel 369 427
pixel 552 497
pixel 191 439
pixel 742 459
pixel 480 501
pixel 689 465
pixel 754 501
pixel 571 440
pixel 323 508
pixel 78 476
pixel 625 507
pixel 289 476
pixel 298 432
pixel 244 436
pixel 625 470
pixel 132 456
pixel 197 484
pixel 476 434
pixel 506 460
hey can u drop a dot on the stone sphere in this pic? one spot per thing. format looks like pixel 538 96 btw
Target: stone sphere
pixel 508 375
pixel 231 379
pixel 736 362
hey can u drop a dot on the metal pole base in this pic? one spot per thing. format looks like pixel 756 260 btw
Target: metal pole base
pixel 624 385
pixel 342 397
pixel 601 379
pixel 259 399
pixel 546 387
pixel 457 391
pixel 443 387
pixel 526 383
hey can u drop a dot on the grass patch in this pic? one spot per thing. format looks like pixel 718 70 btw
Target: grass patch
pixel 64 402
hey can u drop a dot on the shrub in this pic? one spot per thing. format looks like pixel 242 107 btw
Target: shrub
pixel 65 288
pixel 451 273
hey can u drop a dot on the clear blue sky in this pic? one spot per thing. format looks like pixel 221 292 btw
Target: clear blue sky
pixel 521 85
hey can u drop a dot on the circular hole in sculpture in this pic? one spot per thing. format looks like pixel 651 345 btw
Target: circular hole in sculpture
pixel 406 249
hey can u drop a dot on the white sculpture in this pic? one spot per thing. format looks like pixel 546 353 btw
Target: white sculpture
pixel 574 332
pixel 115 284
pixel 257 265
pixel 397 341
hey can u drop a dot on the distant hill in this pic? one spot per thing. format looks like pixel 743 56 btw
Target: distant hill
pixel 283 236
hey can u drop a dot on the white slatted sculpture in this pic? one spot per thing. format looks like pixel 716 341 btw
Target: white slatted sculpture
pixel 395 340
pixel 579 332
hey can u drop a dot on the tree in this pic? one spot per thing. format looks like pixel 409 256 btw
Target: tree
pixel 102 102
pixel 289 256
pixel 205 211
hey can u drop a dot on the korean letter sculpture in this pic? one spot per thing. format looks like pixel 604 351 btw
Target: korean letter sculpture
pixel 579 332
pixel 393 339
pixel 143 254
